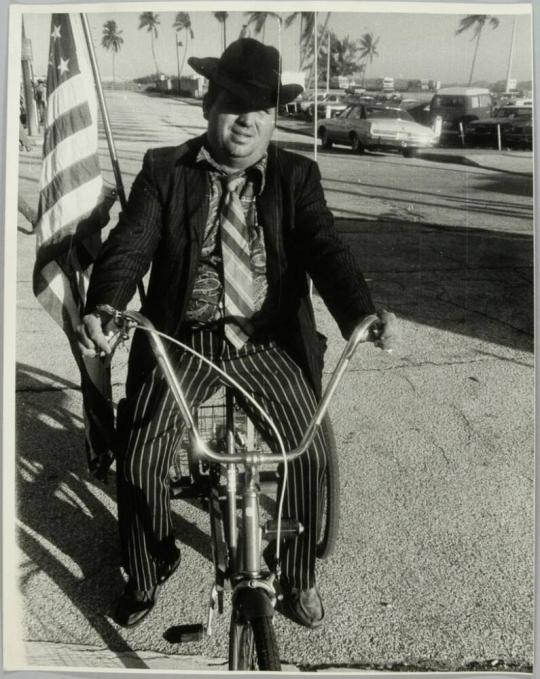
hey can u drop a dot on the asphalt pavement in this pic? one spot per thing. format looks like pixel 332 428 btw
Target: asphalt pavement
pixel 434 566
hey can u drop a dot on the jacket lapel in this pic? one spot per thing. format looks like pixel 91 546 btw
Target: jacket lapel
pixel 270 214
pixel 196 189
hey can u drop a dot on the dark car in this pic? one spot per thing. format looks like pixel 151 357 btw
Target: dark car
pixel 486 131
pixel 520 134
pixel 457 106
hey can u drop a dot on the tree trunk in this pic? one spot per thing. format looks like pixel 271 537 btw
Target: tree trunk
pixel 113 70
pixel 154 54
pixel 224 34
pixel 177 63
pixel 300 51
pixel 474 56
pixel 186 43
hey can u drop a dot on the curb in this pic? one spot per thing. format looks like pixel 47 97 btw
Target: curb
pixel 49 655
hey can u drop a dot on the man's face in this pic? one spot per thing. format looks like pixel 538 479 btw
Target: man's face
pixel 238 136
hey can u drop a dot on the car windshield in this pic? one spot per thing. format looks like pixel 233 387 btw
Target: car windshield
pixel 448 101
pixel 372 112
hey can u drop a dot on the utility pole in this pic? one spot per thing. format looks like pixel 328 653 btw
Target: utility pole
pixel 177 43
pixel 509 71
pixel 29 100
pixel 329 43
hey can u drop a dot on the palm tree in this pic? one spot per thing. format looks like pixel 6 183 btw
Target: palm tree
pixel 343 54
pixel 306 25
pixel 258 21
pixel 182 22
pixel 306 59
pixel 222 18
pixel 150 21
pixel 368 50
pixel 477 23
pixel 112 40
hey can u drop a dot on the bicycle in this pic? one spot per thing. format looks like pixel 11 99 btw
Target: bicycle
pixel 229 478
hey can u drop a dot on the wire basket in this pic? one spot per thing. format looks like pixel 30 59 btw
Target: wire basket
pixel 210 419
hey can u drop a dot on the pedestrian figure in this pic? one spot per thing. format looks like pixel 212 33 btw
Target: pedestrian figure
pixel 41 100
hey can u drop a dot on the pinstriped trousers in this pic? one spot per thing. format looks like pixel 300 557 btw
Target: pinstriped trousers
pixel 154 423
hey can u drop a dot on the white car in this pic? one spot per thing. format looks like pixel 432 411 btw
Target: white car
pixel 375 126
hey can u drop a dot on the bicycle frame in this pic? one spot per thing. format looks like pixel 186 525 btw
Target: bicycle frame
pixel 237 554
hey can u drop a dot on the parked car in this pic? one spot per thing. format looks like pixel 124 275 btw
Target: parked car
pixel 485 131
pixel 328 105
pixel 375 126
pixel 520 133
pixel 457 105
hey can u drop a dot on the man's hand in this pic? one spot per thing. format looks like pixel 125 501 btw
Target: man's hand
pixel 385 334
pixel 91 338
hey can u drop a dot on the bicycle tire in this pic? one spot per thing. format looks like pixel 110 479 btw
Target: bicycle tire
pixel 329 506
pixel 253 645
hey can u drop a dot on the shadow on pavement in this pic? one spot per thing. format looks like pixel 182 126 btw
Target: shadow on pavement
pixel 469 281
pixel 60 513
pixel 64 529
pixel 467 203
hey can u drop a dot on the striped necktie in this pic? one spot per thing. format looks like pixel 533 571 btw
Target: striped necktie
pixel 237 274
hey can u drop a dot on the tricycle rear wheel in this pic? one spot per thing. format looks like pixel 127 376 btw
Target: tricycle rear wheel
pixel 329 512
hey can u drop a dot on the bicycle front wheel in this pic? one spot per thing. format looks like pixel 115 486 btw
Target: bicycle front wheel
pixel 253 645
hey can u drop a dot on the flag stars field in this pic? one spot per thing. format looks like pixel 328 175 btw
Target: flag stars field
pixel 63 66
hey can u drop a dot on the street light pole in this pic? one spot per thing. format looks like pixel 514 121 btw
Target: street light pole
pixel 32 123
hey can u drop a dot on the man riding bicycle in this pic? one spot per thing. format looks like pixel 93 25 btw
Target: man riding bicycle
pixel 232 226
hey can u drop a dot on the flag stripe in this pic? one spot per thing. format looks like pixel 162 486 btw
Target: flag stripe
pixel 65 181
pixel 66 124
pixel 62 240
pixel 53 283
pixel 67 96
pixel 69 209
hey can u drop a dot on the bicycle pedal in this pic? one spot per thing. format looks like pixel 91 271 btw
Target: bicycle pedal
pixel 181 634
pixel 289 528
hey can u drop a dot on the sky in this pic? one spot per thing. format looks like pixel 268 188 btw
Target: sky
pixel 410 45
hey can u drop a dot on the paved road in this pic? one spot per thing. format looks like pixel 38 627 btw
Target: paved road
pixel 434 567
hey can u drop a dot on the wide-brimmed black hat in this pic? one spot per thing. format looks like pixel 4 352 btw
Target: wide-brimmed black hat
pixel 249 70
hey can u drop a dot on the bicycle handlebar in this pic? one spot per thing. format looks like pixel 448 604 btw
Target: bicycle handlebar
pixel 200 448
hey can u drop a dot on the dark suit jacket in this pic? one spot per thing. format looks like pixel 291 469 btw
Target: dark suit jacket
pixel 163 225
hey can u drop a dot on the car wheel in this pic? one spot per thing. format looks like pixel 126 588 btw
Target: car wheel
pixel 356 144
pixel 409 153
pixel 326 142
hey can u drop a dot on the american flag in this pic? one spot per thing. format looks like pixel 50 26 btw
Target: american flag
pixel 74 206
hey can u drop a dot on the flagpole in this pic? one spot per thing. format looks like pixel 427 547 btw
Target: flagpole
pixel 107 125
